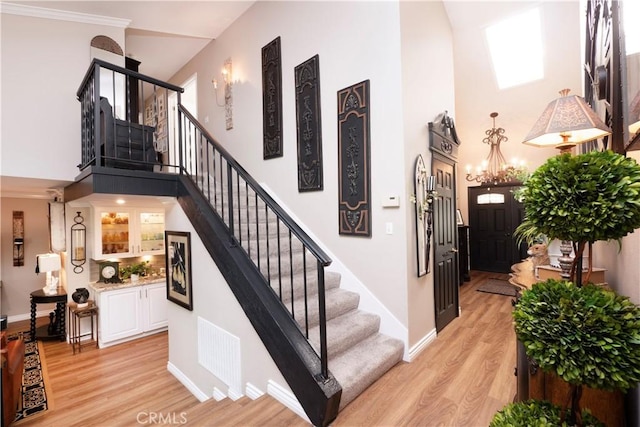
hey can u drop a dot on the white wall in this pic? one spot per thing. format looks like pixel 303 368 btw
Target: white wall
pixel 214 302
pixel 477 93
pixel 19 281
pixel 43 63
pixel 428 90
pixel 355 41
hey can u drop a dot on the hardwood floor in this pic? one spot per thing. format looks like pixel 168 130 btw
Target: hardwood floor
pixel 461 379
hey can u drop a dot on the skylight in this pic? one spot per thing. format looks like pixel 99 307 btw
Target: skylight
pixel 631 11
pixel 515 45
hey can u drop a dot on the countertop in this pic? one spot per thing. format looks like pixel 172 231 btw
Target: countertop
pixel 101 287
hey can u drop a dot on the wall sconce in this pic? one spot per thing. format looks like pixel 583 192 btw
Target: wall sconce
pixel 227 78
pixel 48 263
pixel 78 244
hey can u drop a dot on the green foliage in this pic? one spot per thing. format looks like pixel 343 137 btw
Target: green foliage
pixel 584 198
pixel 141 268
pixel 586 335
pixel 536 413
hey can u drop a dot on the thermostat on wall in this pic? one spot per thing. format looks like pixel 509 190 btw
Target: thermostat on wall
pixel 391 202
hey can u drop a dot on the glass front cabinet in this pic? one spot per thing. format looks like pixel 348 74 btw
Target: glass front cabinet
pixel 128 232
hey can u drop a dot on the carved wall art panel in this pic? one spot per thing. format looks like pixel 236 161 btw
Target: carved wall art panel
pixel 309 125
pixel 272 100
pixel 354 160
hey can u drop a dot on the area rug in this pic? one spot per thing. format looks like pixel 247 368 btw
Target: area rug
pixel 35 399
pixel 498 286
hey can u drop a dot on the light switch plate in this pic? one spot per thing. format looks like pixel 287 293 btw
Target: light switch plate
pixel 391 201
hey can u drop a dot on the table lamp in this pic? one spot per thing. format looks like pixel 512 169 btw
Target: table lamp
pixel 48 263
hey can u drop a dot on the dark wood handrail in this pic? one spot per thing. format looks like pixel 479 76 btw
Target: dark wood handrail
pixel 313 247
pixel 125 71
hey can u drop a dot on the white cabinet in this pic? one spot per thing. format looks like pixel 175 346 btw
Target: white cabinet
pixel 132 312
pixel 128 232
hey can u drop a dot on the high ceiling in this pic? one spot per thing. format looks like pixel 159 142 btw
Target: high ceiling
pixel 183 28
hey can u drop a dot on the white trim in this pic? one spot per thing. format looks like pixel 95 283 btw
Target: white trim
pixel 253 392
pixel 287 398
pixel 234 395
pixel 389 323
pixel 218 395
pixel 199 394
pixel 62 15
pixel 421 345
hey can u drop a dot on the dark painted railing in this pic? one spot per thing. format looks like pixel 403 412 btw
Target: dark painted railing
pixel 124 119
pixel 127 123
pixel 292 264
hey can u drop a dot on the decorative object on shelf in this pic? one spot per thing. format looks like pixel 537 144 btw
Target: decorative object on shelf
pixel 354 161
pixel 18 238
pixel 109 272
pixel 495 170
pixel 135 271
pixel 178 261
pixel 78 243
pixel 566 122
pixel 81 297
pixel 49 263
pixel 272 100
pixel 309 125
pixel 424 186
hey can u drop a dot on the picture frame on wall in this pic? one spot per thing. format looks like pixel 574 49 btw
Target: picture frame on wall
pixel 178 262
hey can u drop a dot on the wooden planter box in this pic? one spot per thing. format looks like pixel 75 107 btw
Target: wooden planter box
pixel 607 406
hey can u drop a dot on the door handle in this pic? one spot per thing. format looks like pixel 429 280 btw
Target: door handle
pixel 450 251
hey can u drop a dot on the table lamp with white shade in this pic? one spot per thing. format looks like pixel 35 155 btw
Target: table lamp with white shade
pixel 48 263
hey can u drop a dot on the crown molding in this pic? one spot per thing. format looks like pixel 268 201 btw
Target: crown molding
pixel 62 15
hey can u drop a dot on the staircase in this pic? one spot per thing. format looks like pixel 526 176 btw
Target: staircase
pixel 358 354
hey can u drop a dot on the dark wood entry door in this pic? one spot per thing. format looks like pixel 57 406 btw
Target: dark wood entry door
pixel 445 242
pixel 494 214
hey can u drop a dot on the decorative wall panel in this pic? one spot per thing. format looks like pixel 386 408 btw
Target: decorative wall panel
pixel 354 160
pixel 309 125
pixel 272 100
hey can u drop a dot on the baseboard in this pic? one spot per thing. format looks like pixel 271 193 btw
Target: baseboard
pixel 287 398
pixel 421 345
pixel 185 381
pixel 234 395
pixel 253 392
pixel 218 395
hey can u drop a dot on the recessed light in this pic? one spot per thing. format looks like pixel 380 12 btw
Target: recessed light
pixel 120 201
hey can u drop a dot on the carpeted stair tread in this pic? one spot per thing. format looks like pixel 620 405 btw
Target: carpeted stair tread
pixel 331 281
pixel 337 302
pixel 345 331
pixel 359 367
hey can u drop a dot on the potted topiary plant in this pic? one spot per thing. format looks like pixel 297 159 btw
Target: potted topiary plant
pixel 582 199
pixel 588 336
pixel 539 413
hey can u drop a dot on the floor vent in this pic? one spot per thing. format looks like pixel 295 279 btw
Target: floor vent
pixel 219 353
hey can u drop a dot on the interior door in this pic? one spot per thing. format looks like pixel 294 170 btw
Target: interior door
pixel 445 251
pixel 494 214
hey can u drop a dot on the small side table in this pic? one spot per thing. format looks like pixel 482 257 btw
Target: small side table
pixel 56 328
pixel 76 314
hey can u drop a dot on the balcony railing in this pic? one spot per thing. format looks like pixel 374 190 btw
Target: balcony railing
pixel 127 123
pixel 125 119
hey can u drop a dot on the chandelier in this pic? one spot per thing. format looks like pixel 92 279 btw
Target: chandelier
pixel 495 170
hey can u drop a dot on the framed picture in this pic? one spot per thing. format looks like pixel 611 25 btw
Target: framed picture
pixel 459 219
pixel 178 260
